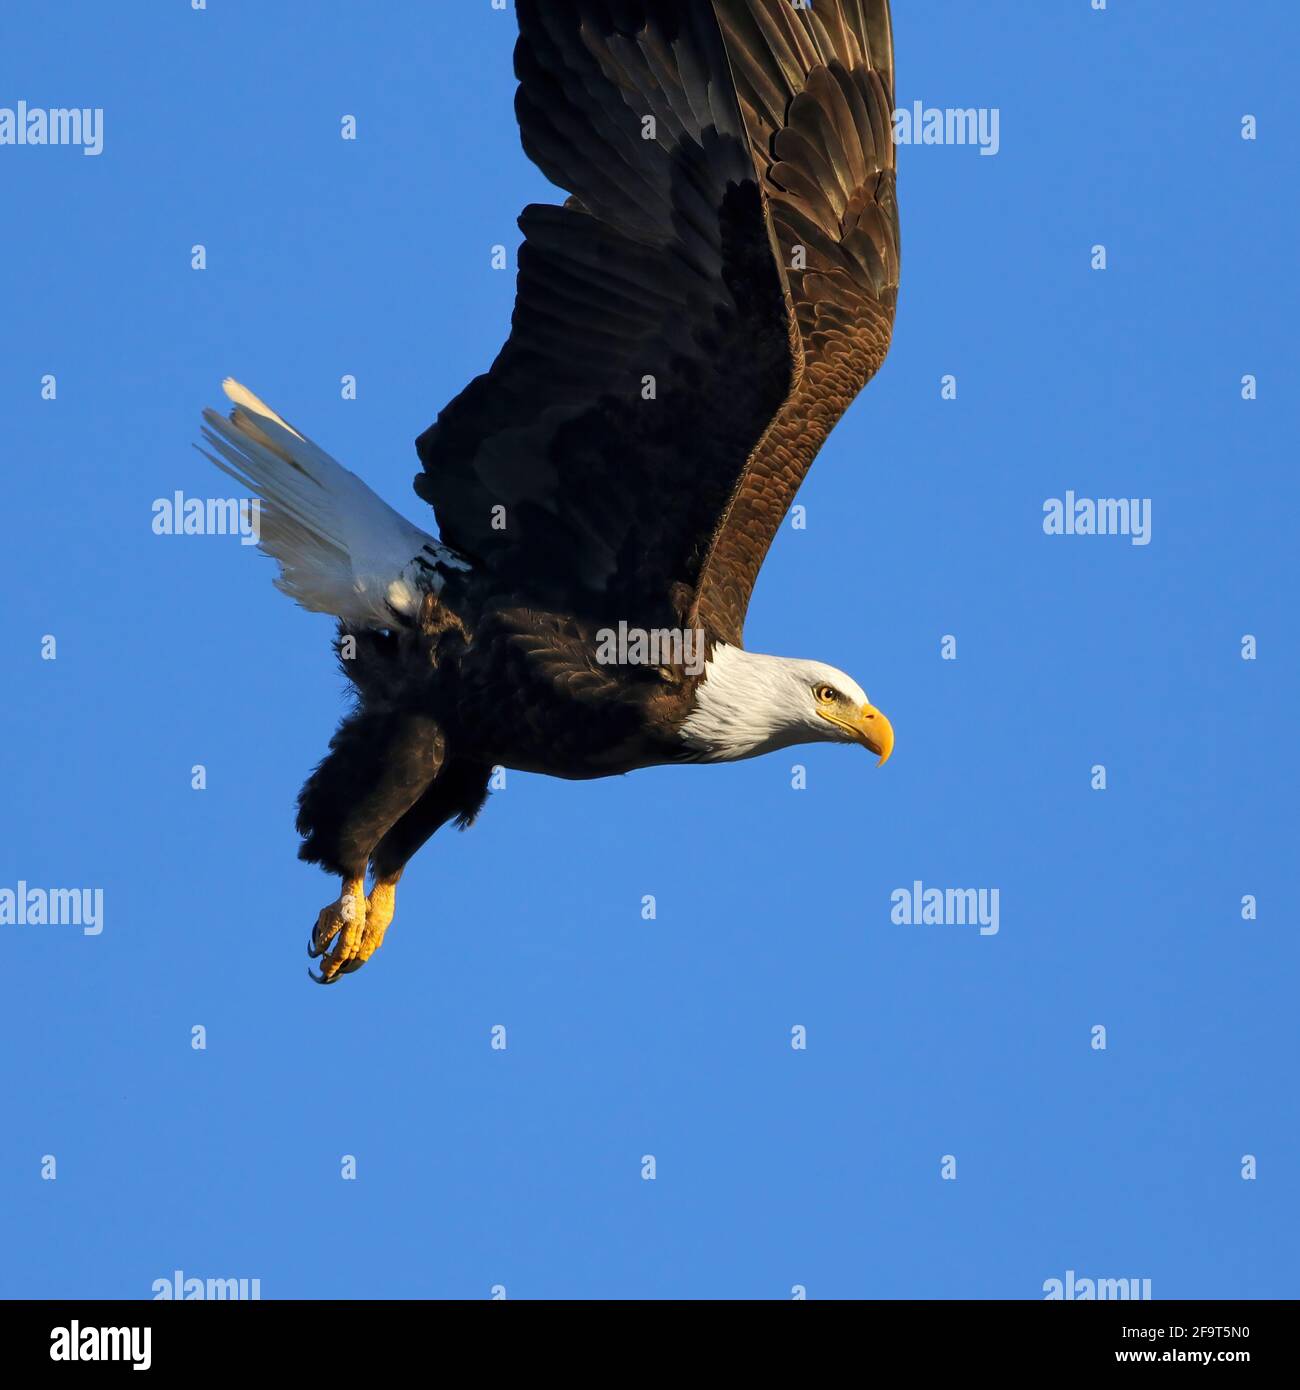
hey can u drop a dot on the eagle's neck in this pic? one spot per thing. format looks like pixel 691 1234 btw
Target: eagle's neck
pixel 746 704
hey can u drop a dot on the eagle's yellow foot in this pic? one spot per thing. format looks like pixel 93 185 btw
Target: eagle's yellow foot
pixel 346 920
pixel 380 906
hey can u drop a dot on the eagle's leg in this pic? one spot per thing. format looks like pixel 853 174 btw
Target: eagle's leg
pixel 380 906
pixel 458 793
pixel 381 762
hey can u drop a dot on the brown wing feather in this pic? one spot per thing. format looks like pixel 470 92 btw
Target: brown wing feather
pixel 816 89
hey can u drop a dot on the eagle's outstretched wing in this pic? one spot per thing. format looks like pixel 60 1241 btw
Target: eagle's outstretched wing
pixel 633 448
pixel 816 85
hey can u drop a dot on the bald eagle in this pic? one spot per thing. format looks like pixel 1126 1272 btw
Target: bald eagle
pixel 689 325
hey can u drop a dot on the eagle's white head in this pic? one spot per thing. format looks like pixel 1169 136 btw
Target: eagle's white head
pixel 748 703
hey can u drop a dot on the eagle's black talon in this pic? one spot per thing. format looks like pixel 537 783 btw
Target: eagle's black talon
pixel 314 951
pixel 321 979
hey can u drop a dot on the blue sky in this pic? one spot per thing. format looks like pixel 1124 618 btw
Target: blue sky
pixel 775 1167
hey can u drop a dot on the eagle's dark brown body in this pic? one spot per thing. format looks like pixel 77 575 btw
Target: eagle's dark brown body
pixel 443 701
pixel 523 688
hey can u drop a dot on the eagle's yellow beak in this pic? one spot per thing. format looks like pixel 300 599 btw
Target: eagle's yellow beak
pixel 871 729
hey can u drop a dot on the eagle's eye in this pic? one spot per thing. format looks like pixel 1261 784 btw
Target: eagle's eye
pixel 825 694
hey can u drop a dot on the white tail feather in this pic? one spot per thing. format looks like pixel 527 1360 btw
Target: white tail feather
pixel 341 548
